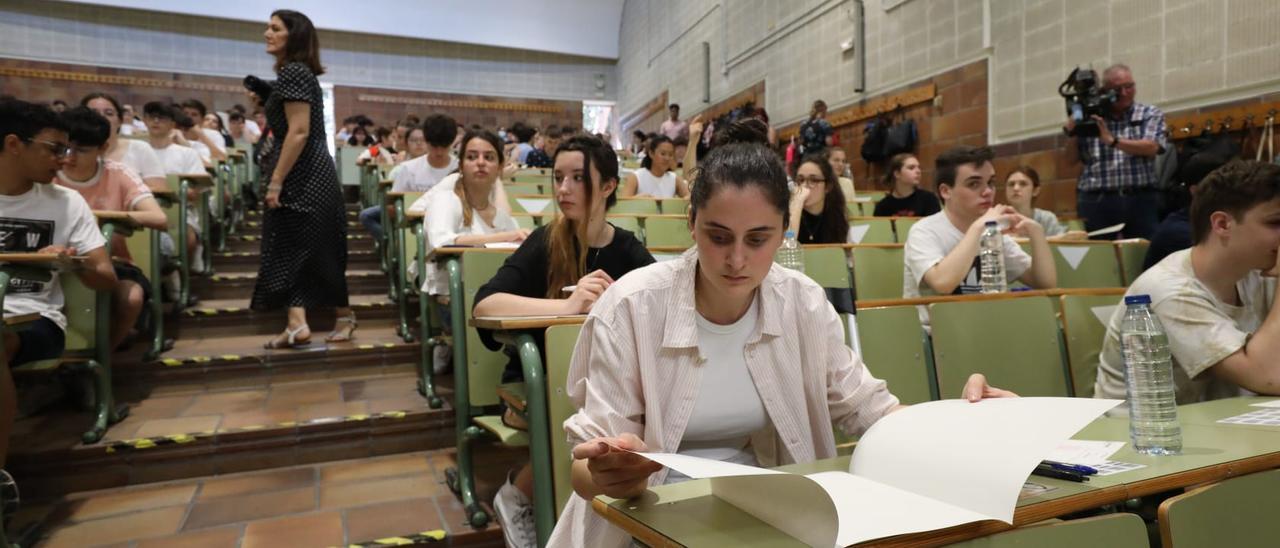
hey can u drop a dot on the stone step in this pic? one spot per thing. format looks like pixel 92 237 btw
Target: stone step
pixel 246 261
pixel 239 285
pixel 231 317
pixel 360 240
pixel 254 227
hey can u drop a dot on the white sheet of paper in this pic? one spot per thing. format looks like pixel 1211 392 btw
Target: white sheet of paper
pixel 817 522
pixel 1107 230
pixel 502 245
pixel 870 510
pixel 1272 403
pixel 972 455
pixel 1073 254
pixel 857 233
pixel 861 199
pixel 533 205
pixel 1084 451
pixel 1103 313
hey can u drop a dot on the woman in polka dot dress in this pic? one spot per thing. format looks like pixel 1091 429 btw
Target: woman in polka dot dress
pixel 304 234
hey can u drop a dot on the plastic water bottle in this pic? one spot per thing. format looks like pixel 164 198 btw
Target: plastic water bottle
pixel 1148 371
pixel 991 273
pixel 790 255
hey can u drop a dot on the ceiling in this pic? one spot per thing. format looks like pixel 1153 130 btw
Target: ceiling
pixel 575 27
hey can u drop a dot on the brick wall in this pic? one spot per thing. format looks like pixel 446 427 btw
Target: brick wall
pixel 386 106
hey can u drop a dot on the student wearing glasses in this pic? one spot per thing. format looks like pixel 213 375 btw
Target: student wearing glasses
pixel 817 207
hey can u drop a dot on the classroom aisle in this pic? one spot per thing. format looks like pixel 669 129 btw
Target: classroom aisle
pixel 229 444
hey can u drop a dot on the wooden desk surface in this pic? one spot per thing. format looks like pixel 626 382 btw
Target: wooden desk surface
pixel 687 514
pixel 386 182
pixel 120 217
pixel 197 179
pixel 509 323
pixel 34 259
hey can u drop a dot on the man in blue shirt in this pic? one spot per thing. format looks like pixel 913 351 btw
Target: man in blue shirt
pixel 1118 183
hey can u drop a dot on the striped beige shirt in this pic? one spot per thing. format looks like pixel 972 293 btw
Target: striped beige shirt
pixel 636 369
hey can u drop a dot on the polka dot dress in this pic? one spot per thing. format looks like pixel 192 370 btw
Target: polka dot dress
pixel 304 241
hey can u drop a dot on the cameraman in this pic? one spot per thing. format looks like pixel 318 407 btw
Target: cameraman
pixel 1118 183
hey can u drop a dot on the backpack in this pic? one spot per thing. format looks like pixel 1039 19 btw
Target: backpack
pixel 901 137
pixel 874 138
pixel 813 137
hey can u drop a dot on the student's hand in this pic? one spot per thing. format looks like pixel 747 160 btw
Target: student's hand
pixel 517 235
pixel 1020 225
pixel 1000 213
pixel 64 255
pixel 272 200
pixel 977 388
pixel 798 196
pixel 615 471
pixel 590 287
pixel 695 128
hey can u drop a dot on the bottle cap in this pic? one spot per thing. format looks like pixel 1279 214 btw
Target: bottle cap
pixel 789 234
pixel 1137 299
pixel 991 223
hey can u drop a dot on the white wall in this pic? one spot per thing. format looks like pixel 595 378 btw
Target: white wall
pixel 116 37
pixel 1184 53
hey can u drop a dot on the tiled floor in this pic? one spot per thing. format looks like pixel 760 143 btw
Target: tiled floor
pixel 330 504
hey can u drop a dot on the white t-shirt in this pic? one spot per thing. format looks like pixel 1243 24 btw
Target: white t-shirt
pixel 417 175
pixel 180 160
pixel 728 408
pixel 1202 330
pixel 46 215
pixel 658 187
pixel 216 137
pixel 444 225
pixel 929 241
pixel 140 157
pixel 251 128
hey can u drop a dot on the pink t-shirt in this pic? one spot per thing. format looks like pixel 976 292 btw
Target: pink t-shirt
pixel 115 187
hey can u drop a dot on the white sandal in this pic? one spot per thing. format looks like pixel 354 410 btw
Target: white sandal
pixel 337 336
pixel 291 340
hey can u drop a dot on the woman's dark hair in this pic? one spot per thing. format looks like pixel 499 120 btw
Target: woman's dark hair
pixel 439 130
pixel 381 133
pixel 742 130
pixel 303 45
pixel 819 107
pixel 1029 171
pixel 459 188
pixel 895 165
pixel 353 141
pixel 652 145
pixel 567 239
pixel 523 132
pixel 85 127
pixel 639 135
pixel 741 165
pixel 114 103
pixel 835 226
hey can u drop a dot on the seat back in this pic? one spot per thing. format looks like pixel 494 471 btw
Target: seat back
pixel 1081 264
pixel 902 227
pixel 530 203
pixel 640 206
pixel 894 349
pixel 667 231
pixel 827 266
pixel 1111 530
pixel 80 307
pixel 484 366
pixel 1235 512
pixel 628 223
pixel 877 272
pixel 871 230
pixel 1014 342
pixel 674 206
pixel 407 246
pixel 561 340
pixel 1084 325
pixel 1131 254
pixel 524 188
pixel 348 171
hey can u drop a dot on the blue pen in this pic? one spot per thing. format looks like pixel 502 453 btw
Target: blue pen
pixel 1077 468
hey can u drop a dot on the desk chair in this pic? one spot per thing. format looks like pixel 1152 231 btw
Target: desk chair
pixel 629 223
pixel 402 239
pixel 1014 342
pixel 895 350
pixel 1235 512
pixel 674 206
pixel 1131 255
pixel 871 230
pixel 877 272
pixel 1111 531
pixel 639 206
pixel 902 226
pixel 561 340
pixel 667 231
pixel 1084 332
pixel 1080 264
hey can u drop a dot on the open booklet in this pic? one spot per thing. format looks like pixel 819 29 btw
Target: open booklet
pixel 929 466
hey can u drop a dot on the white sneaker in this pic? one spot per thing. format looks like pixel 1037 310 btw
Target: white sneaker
pixel 515 515
pixel 442 359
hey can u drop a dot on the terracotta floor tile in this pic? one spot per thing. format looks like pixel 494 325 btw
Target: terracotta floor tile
pixel 297 395
pixel 332 409
pixel 257 482
pixel 250 507
pixel 158 407
pixel 227 402
pixel 310 531
pixel 395 518
pixel 398 465
pixel 138 525
pixel 386 387
pixel 123 430
pixel 180 425
pixel 346 495
pixel 128 500
pixel 407 403
pixel 222 537
pixel 233 421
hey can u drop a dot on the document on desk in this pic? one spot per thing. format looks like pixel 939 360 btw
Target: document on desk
pixel 926 467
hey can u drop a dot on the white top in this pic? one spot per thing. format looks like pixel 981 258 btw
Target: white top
pixel 635 370
pixel 1046 218
pixel 177 159
pixel 444 225
pixel 728 408
pixel 929 241
pixel 140 157
pixel 1202 330
pixel 217 138
pixel 658 187
pixel 46 215
pixel 417 175
pixel 251 128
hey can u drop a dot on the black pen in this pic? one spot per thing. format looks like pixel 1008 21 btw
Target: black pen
pixel 1050 472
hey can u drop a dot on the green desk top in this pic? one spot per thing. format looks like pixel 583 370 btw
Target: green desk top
pixel 688 515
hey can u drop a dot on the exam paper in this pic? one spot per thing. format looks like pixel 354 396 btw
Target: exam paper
pixel 502 245
pixel 1084 451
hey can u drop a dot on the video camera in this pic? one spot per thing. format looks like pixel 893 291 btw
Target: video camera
pixel 1085 99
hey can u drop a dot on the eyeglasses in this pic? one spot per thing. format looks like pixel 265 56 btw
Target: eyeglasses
pixel 59 150
pixel 810 181
pixel 1124 87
